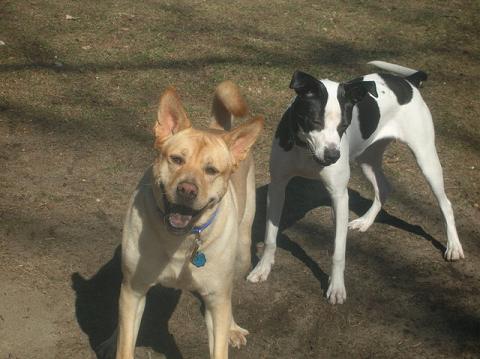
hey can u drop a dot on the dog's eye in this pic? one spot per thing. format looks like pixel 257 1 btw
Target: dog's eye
pixel 177 160
pixel 210 170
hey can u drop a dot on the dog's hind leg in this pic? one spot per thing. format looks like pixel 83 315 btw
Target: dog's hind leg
pixel 237 335
pixel 427 159
pixel 370 162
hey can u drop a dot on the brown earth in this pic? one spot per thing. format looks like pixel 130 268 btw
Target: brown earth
pixel 77 101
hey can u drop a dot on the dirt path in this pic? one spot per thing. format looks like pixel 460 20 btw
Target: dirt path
pixel 77 100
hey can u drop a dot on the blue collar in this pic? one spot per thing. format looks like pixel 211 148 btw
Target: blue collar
pixel 198 258
pixel 200 229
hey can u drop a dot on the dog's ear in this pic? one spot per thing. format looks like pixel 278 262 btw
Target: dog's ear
pixel 171 117
pixel 241 138
pixel 355 91
pixel 304 83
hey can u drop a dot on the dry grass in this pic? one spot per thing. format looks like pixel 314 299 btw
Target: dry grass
pixel 77 101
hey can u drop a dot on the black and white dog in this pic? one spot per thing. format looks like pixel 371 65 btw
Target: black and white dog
pixel 330 123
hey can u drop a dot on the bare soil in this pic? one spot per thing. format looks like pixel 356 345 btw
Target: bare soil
pixel 77 102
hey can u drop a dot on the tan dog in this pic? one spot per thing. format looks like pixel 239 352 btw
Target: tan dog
pixel 189 221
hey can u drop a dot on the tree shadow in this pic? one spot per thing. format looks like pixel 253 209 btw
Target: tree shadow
pixel 316 51
pixel 437 311
pixel 96 308
pixel 302 195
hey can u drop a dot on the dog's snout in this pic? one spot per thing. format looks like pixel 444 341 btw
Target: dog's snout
pixel 187 190
pixel 331 155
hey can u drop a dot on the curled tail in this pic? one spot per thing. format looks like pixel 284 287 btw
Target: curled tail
pixel 415 77
pixel 227 104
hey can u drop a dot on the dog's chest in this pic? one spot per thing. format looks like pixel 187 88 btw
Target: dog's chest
pixel 173 278
pixel 177 269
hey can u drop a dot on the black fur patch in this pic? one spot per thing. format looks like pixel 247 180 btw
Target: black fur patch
pixel 284 131
pixel 348 96
pixel 306 113
pixel 417 78
pixel 346 108
pixel 368 116
pixel 400 87
pixel 368 112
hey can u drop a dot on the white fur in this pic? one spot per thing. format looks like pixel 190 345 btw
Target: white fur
pixel 410 123
pixel 400 70
pixel 328 137
pixel 284 166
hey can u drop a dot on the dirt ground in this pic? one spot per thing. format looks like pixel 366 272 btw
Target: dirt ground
pixel 79 86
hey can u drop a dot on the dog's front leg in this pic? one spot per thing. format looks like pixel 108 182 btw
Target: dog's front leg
pixel 275 202
pixel 131 306
pixel 336 292
pixel 336 179
pixel 218 316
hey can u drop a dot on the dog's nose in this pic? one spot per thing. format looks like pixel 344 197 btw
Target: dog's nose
pixel 331 155
pixel 187 190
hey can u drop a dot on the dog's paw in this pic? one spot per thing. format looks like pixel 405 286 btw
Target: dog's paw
pixel 336 294
pixel 362 224
pixel 261 271
pixel 454 252
pixel 237 336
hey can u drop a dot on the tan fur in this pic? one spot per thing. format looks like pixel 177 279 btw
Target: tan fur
pixel 241 139
pixel 227 101
pixel 171 117
pixel 151 254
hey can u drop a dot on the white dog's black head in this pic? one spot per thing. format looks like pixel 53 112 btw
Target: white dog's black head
pixel 320 114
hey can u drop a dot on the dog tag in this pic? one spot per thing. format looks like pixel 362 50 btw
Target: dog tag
pixel 198 259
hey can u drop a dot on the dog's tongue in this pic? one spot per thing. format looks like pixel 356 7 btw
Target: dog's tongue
pixel 178 220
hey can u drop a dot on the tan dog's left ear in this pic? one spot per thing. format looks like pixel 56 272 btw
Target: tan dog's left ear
pixel 171 117
pixel 241 138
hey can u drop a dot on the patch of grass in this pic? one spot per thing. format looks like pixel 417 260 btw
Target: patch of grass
pixel 89 86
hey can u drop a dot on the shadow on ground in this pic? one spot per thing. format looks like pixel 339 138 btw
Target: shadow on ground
pixel 303 195
pixel 97 298
pixel 96 308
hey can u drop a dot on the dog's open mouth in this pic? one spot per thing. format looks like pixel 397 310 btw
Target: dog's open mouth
pixel 179 219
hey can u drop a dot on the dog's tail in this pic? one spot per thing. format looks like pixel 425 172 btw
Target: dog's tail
pixel 415 77
pixel 228 103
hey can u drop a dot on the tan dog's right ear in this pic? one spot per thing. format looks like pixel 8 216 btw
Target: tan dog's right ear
pixel 242 138
pixel 171 117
